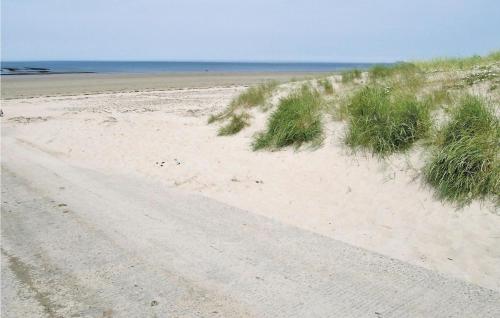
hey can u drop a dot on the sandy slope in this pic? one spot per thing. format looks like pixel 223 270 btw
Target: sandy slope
pixel 381 206
pixel 79 243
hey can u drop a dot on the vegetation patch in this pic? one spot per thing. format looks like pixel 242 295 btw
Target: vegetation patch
pixel 380 71
pixel 439 98
pixel 253 96
pixel 400 76
pixel 466 162
pixel 216 117
pixel 326 85
pixel 385 123
pixel 384 71
pixel 297 120
pixel 448 64
pixel 481 75
pixel 236 123
pixel 351 75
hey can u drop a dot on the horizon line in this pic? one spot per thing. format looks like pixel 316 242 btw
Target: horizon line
pixel 200 61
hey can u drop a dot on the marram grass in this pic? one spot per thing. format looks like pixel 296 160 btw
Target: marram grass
pixel 255 95
pixel 465 164
pixel 449 64
pixel 384 123
pixel 401 76
pixel 251 97
pixel 297 120
pixel 351 75
pixel 236 123
pixel 327 86
pixel 402 69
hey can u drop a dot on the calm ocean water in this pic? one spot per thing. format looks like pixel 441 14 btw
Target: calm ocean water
pixel 36 67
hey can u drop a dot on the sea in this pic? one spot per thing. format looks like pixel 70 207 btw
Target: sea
pixel 59 67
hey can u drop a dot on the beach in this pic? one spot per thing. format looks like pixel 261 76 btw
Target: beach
pixel 251 159
pixel 154 127
pixel 29 86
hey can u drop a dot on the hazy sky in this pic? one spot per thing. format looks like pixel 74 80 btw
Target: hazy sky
pixel 253 30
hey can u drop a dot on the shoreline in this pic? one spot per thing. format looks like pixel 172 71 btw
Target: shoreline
pixel 37 85
pixel 44 73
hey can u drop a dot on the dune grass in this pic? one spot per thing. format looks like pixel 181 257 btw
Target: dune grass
pixel 236 123
pixel 466 162
pixel 484 73
pixel 384 123
pixel 327 86
pixel 380 71
pixel 297 120
pixel 351 75
pixel 384 71
pixel 439 98
pixel 251 97
pixel 390 114
pixel 255 95
pixel 472 117
pixel 401 76
pixel 235 111
pixel 216 117
pixel 447 64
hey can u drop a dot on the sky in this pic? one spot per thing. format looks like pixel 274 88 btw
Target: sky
pixel 253 30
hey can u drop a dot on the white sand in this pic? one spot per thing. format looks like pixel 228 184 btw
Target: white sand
pixel 380 206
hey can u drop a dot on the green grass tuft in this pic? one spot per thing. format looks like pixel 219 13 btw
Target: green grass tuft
pixel 439 98
pixel 380 71
pixel 255 95
pixel 296 120
pixel 448 64
pixel 402 69
pixel 466 162
pixel 214 117
pixel 235 124
pixel 401 76
pixel 251 97
pixel 226 113
pixel 327 85
pixel 471 118
pixel 385 123
pixel 351 75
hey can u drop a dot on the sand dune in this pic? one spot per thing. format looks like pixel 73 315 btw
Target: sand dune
pixel 163 135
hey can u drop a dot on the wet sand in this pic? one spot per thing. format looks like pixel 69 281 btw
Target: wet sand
pixel 25 86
